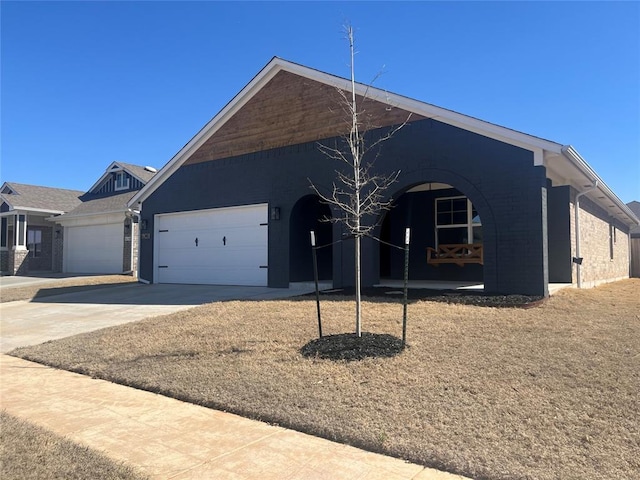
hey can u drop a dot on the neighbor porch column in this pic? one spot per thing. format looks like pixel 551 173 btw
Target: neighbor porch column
pixel 4 240
pixel 19 255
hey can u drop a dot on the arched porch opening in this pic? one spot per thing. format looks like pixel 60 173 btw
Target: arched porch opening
pixel 309 213
pixel 439 215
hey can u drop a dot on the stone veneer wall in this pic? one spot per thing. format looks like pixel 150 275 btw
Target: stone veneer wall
pixel 135 236
pixel 4 260
pixel 131 244
pixel 126 247
pixel 57 248
pixel 603 260
pixel 18 262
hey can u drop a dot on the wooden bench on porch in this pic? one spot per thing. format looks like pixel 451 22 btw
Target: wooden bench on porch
pixel 458 253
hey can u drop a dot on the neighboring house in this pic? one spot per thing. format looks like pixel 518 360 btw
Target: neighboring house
pixel 234 205
pixel 635 241
pixel 27 239
pixel 70 231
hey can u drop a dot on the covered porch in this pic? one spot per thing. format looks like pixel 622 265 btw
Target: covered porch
pixel 28 242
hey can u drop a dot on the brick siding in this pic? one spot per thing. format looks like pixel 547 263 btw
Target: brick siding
pixel 126 251
pixel 57 248
pixel 604 260
pixel 4 261
pixel 135 235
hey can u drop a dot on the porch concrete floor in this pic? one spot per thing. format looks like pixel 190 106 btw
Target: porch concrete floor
pixel 452 285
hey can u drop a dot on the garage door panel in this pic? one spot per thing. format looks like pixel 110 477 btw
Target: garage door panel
pixel 219 256
pixel 94 248
pixel 214 276
pixel 231 246
pixel 213 237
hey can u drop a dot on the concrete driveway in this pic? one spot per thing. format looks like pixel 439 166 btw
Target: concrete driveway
pixel 32 322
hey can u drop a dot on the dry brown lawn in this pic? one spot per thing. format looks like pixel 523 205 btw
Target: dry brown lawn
pixel 28 451
pixel 58 287
pixel 551 392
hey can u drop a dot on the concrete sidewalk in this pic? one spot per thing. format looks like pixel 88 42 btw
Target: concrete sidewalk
pixel 170 439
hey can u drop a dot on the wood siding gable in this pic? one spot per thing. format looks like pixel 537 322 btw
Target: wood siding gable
pixel 290 110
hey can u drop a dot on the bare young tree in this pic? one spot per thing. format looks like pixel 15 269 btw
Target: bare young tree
pixel 358 192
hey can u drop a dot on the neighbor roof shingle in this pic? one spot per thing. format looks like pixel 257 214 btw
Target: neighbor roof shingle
pixel 92 203
pixel 138 171
pixel 41 198
pixel 635 208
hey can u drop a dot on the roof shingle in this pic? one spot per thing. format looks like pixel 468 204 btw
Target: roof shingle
pixel 41 198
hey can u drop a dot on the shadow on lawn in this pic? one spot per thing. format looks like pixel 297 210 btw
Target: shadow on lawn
pixel 349 347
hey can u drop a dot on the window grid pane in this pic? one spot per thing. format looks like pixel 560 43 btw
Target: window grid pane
pixel 457 221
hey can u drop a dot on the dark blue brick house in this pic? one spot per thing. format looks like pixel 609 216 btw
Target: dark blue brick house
pixel 485 203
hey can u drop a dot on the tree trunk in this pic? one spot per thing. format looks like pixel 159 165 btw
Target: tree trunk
pixel 358 295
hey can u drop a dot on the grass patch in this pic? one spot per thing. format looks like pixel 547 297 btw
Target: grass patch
pixel 28 451
pixel 551 392
pixel 59 287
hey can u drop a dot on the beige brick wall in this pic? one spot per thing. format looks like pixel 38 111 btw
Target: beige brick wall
pixel 604 260
pixel 135 235
pixel 131 243
pixel 126 252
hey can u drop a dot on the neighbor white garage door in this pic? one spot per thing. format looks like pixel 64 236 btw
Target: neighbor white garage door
pixel 222 246
pixel 94 248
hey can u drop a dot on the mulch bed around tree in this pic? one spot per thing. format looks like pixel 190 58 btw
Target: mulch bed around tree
pixel 349 347
pixel 460 297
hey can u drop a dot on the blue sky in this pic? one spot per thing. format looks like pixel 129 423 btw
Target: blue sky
pixel 87 83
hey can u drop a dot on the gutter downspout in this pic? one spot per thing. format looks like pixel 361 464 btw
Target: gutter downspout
pixel 136 213
pixel 578 259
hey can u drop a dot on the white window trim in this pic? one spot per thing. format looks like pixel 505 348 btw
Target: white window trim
pixel 125 185
pixel 469 225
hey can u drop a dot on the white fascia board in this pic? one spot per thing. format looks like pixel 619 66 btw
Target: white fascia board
pixel 580 163
pixel 443 115
pixel 474 125
pixel 66 217
pixel 6 184
pixel 115 216
pixel 105 174
pixel 28 210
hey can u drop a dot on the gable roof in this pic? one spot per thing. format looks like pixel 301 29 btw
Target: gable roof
pixel 282 83
pixel 104 203
pixel 64 204
pixel 144 174
pixel 635 208
pixel 35 198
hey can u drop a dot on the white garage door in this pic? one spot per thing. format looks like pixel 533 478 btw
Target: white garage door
pixel 223 246
pixel 94 248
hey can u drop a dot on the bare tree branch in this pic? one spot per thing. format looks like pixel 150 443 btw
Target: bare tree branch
pixel 357 196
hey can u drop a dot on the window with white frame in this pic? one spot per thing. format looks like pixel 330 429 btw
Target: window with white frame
pixel 456 221
pixel 121 181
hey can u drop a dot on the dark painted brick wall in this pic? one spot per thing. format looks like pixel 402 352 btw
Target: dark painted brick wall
pixel 559 232
pixel 500 179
